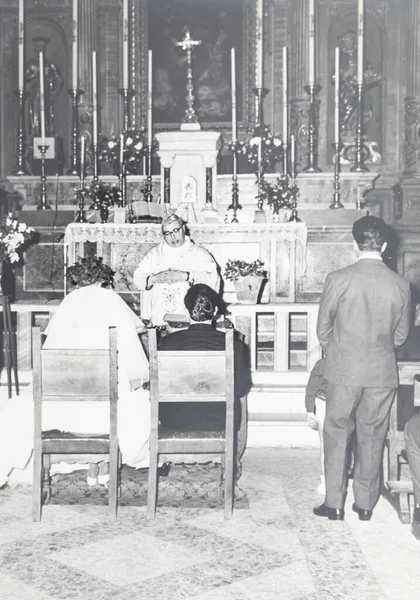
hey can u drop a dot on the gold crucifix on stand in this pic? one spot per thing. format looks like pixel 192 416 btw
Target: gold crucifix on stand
pixel 190 119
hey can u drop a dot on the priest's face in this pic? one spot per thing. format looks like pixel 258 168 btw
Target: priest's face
pixel 174 234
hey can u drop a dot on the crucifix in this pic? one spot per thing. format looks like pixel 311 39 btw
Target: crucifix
pixel 187 44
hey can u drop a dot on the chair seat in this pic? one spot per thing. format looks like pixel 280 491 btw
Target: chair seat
pixel 57 435
pixel 166 433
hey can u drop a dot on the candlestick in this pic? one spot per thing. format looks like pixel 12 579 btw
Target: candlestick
pixel 21 45
pixel 82 160
pixel 74 46
pixel 42 97
pixel 125 44
pixel 336 197
pixel 337 96
pixel 234 205
pixel 75 94
pixel 94 101
pixel 149 98
pixel 147 192
pixel 285 97
pixel 360 34
pixel 20 138
pixel 312 165
pixel 259 41
pixel 127 95
pixel 311 43
pixel 233 85
pixel 121 150
pixel 359 165
pixel 43 206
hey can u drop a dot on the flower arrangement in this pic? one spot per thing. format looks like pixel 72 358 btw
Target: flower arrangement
pixel 90 270
pixel 236 268
pixel 134 149
pixel 13 237
pixel 282 193
pixel 271 148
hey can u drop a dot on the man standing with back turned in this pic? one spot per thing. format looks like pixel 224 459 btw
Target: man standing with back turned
pixel 364 314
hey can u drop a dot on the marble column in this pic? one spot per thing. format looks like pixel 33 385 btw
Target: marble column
pixel 410 182
pixel 299 75
pixel 88 19
pixel 412 100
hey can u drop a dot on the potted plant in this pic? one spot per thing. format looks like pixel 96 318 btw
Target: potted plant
pixel 247 277
pixel 14 237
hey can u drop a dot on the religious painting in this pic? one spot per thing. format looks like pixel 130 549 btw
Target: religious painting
pixel 218 26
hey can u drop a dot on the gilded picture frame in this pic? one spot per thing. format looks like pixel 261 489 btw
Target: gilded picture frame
pixel 219 25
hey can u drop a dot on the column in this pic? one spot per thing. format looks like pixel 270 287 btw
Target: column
pixel 410 183
pixel 298 78
pixel 88 19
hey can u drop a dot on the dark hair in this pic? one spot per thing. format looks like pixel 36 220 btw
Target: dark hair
pixel 201 301
pixel 370 233
pixel 90 270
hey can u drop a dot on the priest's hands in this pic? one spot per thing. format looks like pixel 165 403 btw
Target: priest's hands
pixel 169 276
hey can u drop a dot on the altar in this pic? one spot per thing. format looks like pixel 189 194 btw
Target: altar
pixel 281 246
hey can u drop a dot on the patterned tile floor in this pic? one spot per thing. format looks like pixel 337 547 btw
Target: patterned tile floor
pixel 273 550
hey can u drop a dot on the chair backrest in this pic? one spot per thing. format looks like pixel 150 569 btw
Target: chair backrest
pixel 60 374
pixel 192 376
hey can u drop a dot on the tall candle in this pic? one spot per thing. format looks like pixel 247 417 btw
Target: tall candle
pixel 292 154
pixel 94 101
pixel 285 98
pixel 337 97
pixel 360 33
pixel 42 96
pixel 74 65
pixel 149 99
pixel 21 45
pixel 125 44
pixel 233 85
pixel 259 41
pixel 311 43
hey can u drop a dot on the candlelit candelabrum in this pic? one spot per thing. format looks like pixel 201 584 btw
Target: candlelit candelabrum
pixel 359 164
pixel 312 166
pixel 127 95
pixel 336 197
pixel 235 206
pixel 44 205
pixel 20 139
pixel 75 95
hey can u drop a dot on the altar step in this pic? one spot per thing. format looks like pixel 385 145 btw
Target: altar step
pixel 277 417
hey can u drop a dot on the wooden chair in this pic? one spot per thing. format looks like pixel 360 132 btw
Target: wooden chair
pixel 74 376
pixel 198 376
pixel 397 476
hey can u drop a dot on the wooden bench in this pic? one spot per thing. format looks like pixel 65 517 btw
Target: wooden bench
pixel 397 478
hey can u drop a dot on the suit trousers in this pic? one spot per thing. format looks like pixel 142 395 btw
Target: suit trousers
pixel 412 444
pixel 367 411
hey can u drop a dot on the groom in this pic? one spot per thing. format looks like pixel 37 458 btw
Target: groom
pixel 364 314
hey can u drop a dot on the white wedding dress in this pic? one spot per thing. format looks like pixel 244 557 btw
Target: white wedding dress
pixel 82 321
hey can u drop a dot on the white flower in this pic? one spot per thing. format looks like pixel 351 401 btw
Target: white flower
pixel 138 146
pixel 129 141
pixel 254 141
pixel 111 144
pixel 13 256
pixel 277 142
pixel 22 227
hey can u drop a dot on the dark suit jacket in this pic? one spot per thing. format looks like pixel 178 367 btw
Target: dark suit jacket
pixel 204 337
pixel 364 314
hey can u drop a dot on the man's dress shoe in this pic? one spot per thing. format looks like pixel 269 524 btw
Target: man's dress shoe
pixel 334 514
pixel 364 514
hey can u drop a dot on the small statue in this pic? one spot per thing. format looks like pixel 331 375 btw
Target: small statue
pixel 348 89
pixel 53 82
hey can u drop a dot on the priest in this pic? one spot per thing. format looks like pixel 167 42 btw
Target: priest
pixel 167 271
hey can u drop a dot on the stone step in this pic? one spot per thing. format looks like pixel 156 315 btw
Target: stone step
pixel 283 431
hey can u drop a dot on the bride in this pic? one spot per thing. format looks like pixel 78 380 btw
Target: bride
pixel 82 321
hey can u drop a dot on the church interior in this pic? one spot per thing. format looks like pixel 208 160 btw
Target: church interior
pixel 269 127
